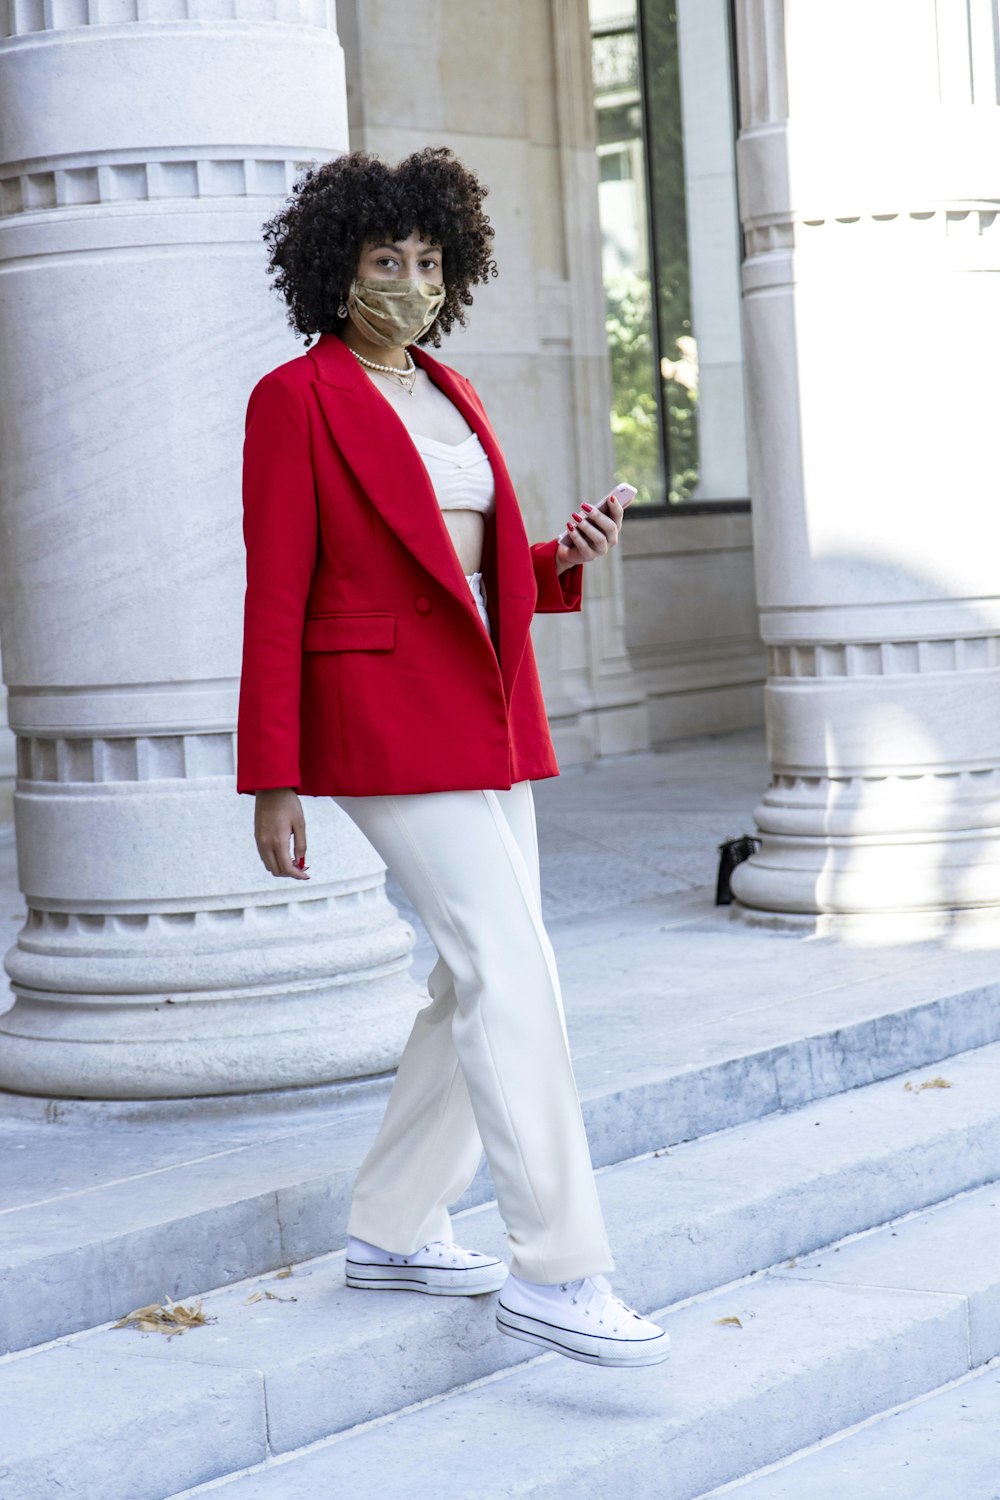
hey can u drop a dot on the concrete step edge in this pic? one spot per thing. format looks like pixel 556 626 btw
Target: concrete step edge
pixel 297 1210
pixel 655 1256
pixel 765 1415
pixel 957 1147
pixel 887 1456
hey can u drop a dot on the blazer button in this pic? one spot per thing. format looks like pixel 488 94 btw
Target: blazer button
pixel 423 604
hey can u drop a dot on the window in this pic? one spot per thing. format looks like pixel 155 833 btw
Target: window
pixel 645 206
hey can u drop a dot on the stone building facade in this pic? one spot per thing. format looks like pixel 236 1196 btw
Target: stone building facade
pixel 831 316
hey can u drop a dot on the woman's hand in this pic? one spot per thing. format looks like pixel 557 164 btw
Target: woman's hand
pixel 592 534
pixel 278 817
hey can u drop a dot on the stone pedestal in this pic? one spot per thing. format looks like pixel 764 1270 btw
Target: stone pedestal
pixel 138 161
pixel 867 162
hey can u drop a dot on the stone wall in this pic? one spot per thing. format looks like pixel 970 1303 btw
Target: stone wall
pixel 690 602
pixel 692 623
pixel 509 89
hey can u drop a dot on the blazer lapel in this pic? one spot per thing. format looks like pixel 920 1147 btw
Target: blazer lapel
pixel 375 443
pixel 377 447
pixel 511 587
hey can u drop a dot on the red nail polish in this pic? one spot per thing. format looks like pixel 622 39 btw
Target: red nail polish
pixel 576 517
pixel 585 506
pixel 570 526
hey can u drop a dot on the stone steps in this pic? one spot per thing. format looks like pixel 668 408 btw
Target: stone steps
pixel 822 1345
pixel 123 1205
pixel 943 1445
pixel 849 1332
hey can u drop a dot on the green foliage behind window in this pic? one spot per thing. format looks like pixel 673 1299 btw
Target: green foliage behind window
pixel 634 415
pixel 654 359
pixel 633 409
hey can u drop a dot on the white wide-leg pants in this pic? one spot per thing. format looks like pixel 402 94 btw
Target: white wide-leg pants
pixel 487 1063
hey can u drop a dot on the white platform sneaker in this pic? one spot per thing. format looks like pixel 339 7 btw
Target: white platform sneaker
pixel 582 1319
pixel 441 1267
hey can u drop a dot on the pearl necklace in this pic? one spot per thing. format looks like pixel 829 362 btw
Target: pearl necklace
pixel 409 374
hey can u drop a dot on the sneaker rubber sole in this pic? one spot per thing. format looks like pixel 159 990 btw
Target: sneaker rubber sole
pixel 439 1281
pixel 590 1348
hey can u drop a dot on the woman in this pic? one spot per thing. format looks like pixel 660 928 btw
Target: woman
pixel 388 664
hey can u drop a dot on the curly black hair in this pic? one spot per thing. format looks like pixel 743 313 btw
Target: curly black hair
pixel 317 238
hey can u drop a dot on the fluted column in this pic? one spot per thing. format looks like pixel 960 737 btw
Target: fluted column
pixel 7 759
pixel 868 187
pixel 142 146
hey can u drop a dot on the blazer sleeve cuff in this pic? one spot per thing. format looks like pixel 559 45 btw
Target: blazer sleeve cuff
pixel 558 593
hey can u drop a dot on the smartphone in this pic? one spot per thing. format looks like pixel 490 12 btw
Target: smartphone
pixel 623 493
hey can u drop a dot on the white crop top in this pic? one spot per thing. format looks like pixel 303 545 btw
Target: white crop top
pixel 461 473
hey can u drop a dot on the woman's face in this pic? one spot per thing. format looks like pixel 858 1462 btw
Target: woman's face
pixel 412 259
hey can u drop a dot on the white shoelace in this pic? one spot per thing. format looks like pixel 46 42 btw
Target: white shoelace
pixel 594 1295
pixel 445 1250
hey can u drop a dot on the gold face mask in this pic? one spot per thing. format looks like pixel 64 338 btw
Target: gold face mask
pixel 393 313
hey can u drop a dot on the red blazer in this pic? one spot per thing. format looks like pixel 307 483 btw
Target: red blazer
pixel 366 666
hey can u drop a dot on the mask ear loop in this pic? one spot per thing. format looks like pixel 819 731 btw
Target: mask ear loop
pixel 437 312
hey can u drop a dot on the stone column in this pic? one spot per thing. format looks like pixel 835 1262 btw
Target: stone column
pixel 7 759
pixel 867 158
pixel 141 149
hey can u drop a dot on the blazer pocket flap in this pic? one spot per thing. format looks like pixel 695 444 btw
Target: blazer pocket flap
pixel 353 632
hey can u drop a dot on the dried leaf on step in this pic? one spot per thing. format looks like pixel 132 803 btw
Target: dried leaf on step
pixel 140 1312
pixel 279 1275
pixel 165 1317
pixel 928 1083
pixel 271 1297
pixel 734 1321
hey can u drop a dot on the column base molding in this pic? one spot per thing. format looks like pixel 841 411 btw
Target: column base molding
pixel 159 960
pixel 966 927
pixel 885 789
pixel 188 1046
pixel 865 876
